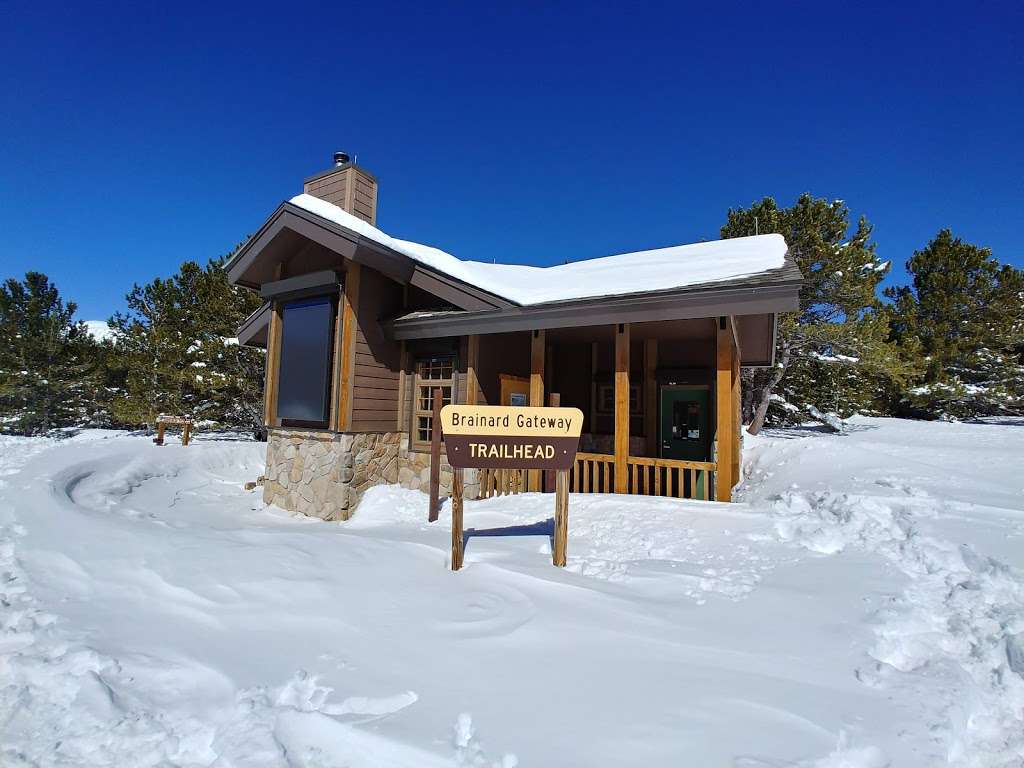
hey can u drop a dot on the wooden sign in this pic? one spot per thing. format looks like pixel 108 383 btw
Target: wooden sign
pixel 507 437
pixel 162 422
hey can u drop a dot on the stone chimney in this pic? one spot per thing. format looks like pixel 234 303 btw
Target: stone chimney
pixel 347 186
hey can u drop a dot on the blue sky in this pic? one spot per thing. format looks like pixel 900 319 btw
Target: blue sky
pixel 132 137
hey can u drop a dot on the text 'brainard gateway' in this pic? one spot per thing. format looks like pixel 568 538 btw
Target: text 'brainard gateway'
pixel 523 421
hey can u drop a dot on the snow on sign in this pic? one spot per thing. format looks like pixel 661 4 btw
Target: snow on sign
pixel 502 437
pixel 507 437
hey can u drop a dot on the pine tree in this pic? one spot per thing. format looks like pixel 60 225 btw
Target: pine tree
pixel 966 310
pixel 833 356
pixel 230 376
pixel 174 351
pixel 47 360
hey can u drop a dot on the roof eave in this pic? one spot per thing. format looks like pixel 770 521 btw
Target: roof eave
pixel 250 330
pixel 769 297
pixel 361 249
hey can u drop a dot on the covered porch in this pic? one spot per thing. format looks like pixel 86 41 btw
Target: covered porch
pixel 660 399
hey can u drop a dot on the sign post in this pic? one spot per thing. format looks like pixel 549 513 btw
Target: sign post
pixel 435 457
pixel 561 518
pixel 501 437
pixel 457 540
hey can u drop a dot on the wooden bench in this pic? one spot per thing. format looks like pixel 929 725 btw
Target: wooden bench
pixel 162 422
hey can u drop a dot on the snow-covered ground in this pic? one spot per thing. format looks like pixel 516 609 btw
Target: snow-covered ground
pixel 863 607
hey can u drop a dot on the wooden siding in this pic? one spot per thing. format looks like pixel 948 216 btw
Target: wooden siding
pixel 571 377
pixel 349 188
pixel 756 336
pixel 363 200
pixel 501 353
pixel 377 359
pixel 332 188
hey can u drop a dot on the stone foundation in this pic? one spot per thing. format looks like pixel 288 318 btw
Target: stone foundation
pixel 324 474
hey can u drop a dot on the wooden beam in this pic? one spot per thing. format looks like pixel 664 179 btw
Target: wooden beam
pixel 402 418
pixel 651 396
pixel 621 407
pixel 724 433
pixel 536 390
pixel 273 367
pixel 472 360
pixel 735 336
pixel 338 355
pixel 350 308
pixel 561 518
pixel 737 416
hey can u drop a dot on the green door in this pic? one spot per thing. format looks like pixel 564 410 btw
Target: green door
pixel 684 431
pixel 684 424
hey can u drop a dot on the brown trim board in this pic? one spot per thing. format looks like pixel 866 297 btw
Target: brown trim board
pixel 634 308
pixel 363 250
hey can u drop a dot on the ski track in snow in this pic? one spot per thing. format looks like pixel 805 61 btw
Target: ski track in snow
pixel 948 643
pixel 62 703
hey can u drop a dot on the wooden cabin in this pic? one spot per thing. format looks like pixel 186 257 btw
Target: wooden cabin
pixel 361 328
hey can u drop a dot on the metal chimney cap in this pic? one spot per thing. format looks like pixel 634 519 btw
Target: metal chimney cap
pixel 340 158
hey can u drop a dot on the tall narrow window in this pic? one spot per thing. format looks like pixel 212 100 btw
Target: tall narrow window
pixel 304 375
pixel 433 373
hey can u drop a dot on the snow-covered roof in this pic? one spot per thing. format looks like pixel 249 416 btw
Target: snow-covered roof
pixel 661 269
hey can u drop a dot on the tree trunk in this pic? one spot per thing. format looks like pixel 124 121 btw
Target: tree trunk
pixel 747 390
pixel 765 396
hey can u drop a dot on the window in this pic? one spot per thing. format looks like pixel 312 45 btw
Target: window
pixel 433 373
pixel 686 420
pixel 606 399
pixel 304 375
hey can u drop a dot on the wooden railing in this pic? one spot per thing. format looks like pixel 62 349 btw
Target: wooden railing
pixel 670 477
pixel 595 473
pixel 592 473
pixel 501 482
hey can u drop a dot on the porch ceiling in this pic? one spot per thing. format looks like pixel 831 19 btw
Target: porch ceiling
pixel 755 335
pixel 702 328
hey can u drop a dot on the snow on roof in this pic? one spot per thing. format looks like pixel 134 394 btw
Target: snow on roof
pixel 660 269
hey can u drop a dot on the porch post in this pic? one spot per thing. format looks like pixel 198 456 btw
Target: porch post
pixel 536 390
pixel 724 433
pixel 472 354
pixel 737 416
pixel 621 407
pixel 346 380
pixel 273 367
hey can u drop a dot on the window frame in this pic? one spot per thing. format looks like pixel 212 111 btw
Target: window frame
pixel 332 302
pixel 430 384
pixel 606 398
